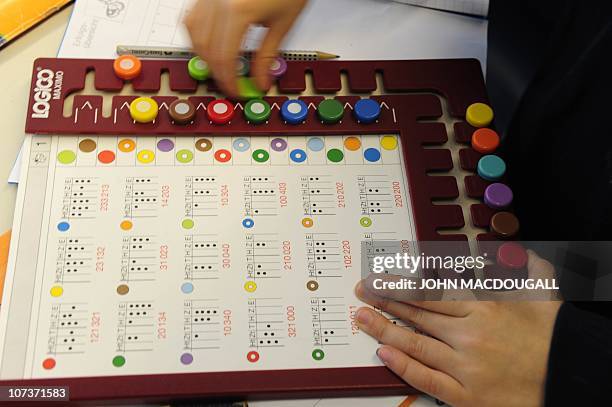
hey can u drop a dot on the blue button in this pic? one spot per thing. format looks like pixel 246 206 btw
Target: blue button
pixel 491 167
pixel 294 111
pixel 366 110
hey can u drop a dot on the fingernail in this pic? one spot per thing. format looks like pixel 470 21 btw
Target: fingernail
pixel 364 316
pixel 384 355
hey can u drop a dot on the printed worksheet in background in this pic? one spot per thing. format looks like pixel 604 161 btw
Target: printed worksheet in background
pixel 472 7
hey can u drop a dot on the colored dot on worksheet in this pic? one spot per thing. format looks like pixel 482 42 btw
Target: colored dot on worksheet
pixel 372 155
pixel 56 291
pixel 278 144
pixel 388 142
pixel 352 143
pixel 365 222
pixel 66 157
pixel 318 354
pixel 87 145
pixel 203 145
pixel 184 156
pixel 165 145
pixel 261 156
pixel 315 144
pixel 241 144
pixel 312 285
pixel 186 358
pixel 187 288
pixel 250 286
pixel 48 363
pixel 63 226
pixel 248 223
pixel 106 157
pixel 297 155
pixel 307 222
pixel 126 145
pixel 123 289
pixel 187 223
pixel 223 156
pixel 118 361
pixel 146 156
pixel 334 155
pixel 252 356
pixel 126 225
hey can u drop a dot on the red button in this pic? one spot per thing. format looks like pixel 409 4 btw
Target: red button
pixel 220 111
pixel 512 256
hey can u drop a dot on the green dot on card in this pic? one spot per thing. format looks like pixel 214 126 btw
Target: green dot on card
pixel 261 156
pixel 334 155
pixel 184 156
pixel 66 157
pixel 118 361
pixel 188 224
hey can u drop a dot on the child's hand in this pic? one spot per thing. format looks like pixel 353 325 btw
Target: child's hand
pixel 478 354
pixel 217 28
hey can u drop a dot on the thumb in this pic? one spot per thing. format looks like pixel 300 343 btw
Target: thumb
pixel 260 69
pixel 540 269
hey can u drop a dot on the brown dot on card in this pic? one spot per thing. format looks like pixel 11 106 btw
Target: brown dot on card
pixel 182 111
pixel 505 225
pixel 123 289
pixel 87 145
pixel 203 144
pixel 312 285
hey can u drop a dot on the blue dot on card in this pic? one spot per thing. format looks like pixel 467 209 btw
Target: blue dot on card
pixel 298 155
pixel 248 223
pixel 241 145
pixel 315 144
pixel 63 226
pixel 372 155
pixel 187 288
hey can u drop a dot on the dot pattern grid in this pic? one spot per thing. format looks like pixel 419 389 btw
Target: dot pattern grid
pixel 127 151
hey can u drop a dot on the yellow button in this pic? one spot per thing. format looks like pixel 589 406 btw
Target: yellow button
pixel 479 115
pixel 144 110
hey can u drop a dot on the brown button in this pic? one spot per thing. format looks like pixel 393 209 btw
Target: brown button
pixel 182 111
pixel 505 224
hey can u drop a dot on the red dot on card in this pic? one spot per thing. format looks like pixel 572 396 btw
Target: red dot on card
pixel 253 356
pixel 223 156
pixel 49 363
pixel 106 157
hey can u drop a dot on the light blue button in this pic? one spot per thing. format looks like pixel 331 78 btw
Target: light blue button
pixel 491 167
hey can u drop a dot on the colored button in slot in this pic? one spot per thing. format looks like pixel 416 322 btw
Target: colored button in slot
pixel 330 111
pixel 198 69
pixel 242 66
pixel 505 225
pixel 294 111
pixel 182 111
pixel 257 111
pixel 479 115
pixel 127 67
pixel 278 67
pixel 366 110
pixel 498 196
pixel 144 109
pixel 491 167
pixel 248 90
pixel 220 111
pixel 485 141
pixel 512 256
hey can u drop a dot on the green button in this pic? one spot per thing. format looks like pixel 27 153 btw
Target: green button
pixel 198 69
pixel 257 111
pixel 247 89
pixel 330 111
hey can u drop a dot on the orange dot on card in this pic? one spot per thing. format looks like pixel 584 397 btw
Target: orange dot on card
pixel 48 363
pixel 352 143
pixel 126 225
pixel 307 222
pixel 106 157
pixel 485 141
pixel 126 145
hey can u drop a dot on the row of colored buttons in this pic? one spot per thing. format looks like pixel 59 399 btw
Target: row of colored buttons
pixel 221 111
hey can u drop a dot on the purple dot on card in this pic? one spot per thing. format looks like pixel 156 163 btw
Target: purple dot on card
pixel 278 144
pixel 165 145
pixel 498 196
pixel 186 358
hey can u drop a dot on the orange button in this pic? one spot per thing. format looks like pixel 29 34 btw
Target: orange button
pixel 127 67
pixel 485 141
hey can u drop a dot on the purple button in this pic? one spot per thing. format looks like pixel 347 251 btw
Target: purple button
pixel 278 67
pixel 498 196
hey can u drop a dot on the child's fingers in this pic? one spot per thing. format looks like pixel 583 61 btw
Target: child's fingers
pixel 426 350
pixel 421 377
pixel 266 54
pixel 224 53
